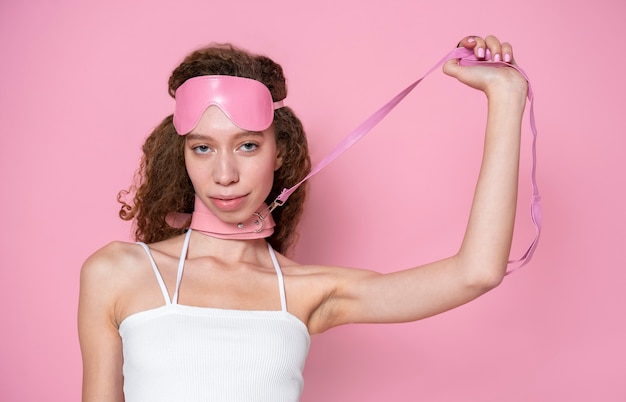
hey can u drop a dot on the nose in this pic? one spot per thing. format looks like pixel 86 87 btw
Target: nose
pixel 225 171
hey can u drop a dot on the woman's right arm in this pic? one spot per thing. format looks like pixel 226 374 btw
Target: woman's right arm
pixel 100 342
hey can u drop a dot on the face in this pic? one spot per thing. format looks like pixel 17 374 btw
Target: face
pixel 231 169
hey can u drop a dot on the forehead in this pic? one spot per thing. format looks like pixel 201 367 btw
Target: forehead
pixel 215 123
pixel 213 118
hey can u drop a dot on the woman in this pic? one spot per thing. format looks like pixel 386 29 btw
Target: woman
pixel 207 310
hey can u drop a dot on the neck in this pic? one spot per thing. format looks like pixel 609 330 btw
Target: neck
pixel 230 253
pixel 260 225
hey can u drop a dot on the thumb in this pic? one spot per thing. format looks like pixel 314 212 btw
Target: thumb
pixel 451 67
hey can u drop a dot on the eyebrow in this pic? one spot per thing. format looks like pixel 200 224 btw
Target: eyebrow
pixel 241 134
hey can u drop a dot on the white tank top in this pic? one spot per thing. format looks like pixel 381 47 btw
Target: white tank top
pixel 178 353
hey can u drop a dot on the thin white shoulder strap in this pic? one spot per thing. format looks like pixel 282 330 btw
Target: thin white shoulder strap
pixel 181 265
pixel 166 296
pixel 281 282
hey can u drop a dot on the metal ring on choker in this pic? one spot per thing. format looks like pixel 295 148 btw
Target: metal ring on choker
pixel 257 222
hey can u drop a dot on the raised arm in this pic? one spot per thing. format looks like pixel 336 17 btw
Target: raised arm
pixel 487 242
pixel 480 263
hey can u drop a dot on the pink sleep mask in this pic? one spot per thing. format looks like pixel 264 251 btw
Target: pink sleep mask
pixel 247 102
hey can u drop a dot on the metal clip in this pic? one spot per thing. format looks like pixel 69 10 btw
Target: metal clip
pixel 275 204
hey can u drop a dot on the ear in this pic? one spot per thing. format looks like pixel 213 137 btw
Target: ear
pixel 279 159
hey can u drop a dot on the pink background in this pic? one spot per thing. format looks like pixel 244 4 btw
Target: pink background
pixel 84 82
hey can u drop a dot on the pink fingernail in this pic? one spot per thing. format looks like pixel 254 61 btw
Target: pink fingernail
pixel 497 57
pixel 507 57
pixel 481 52
pixel 471 40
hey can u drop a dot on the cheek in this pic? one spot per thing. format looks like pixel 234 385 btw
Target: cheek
pixel 265 175
pixel 264 172
pixel 193 171
pixel 188 168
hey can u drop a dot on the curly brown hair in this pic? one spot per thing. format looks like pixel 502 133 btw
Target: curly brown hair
pixel 162 185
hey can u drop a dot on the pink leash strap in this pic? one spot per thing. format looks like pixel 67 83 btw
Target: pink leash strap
pixel 467 58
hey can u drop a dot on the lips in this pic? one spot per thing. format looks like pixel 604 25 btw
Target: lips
pixel 228 203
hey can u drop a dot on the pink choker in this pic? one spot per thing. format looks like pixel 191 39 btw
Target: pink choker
pixel 260 225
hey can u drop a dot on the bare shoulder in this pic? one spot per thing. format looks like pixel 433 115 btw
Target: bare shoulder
pixel 119 280
pixel 107 273
pixel 111 260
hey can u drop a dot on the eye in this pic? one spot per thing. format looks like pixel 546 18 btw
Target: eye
pixel 201 149
pixel 249 147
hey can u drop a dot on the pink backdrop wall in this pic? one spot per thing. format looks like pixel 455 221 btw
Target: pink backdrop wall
pixel 84 82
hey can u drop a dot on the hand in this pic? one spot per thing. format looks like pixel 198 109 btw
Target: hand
pixel 489 79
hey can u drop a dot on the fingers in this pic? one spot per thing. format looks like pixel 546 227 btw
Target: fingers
pixel 494 48
pixel 507 52
pixel 489 48
pixel 468 42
